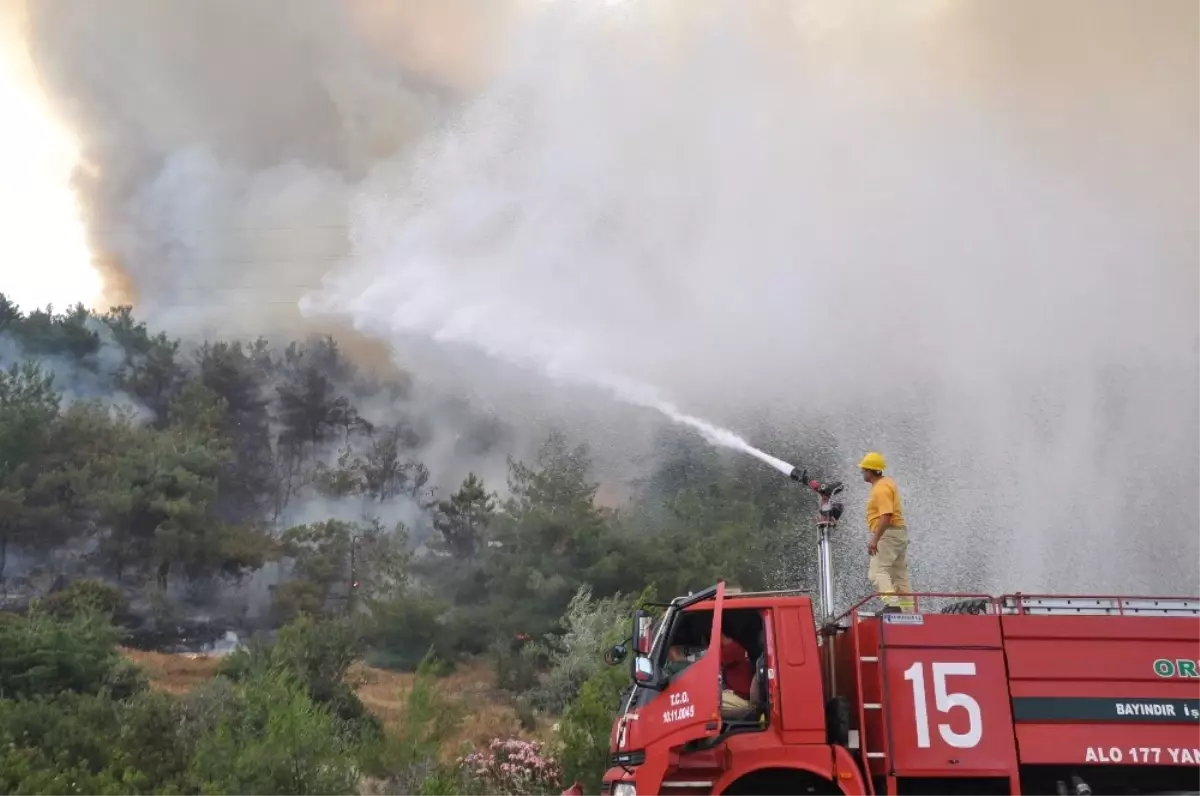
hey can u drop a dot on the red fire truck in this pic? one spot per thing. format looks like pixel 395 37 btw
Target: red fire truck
pixel 1017 694
pixel 966 694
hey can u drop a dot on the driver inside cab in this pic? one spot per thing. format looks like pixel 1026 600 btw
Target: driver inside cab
pixel 736 676
pixel 679 658
pixel 736 673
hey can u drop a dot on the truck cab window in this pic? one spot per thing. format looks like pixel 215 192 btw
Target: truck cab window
pixel 743 687
pixel 743 665
pixel 687 643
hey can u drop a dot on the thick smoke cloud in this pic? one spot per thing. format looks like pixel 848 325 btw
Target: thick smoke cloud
pixel 962 233
pixel 226 141
pixel 226 137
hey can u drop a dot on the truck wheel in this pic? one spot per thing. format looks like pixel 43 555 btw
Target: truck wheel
pixel 973 607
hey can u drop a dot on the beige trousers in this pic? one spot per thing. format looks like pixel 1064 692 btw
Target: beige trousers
pixel 888 570
pixel 733 706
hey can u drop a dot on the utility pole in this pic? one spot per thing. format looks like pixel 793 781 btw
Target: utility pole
pixel 353 593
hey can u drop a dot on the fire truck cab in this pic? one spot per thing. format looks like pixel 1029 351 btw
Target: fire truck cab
pixel 1008 695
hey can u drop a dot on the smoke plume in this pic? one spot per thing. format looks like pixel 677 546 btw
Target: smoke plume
pixel 964 234
pixel 225 143
pixel 227 137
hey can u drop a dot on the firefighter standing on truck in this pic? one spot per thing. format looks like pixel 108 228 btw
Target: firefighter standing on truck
pixel 888 542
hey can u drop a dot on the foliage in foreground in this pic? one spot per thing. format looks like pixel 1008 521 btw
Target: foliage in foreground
pixel 314 656
pixel 77 717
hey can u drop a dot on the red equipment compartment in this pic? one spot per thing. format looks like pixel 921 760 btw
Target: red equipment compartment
pixel 1104 689
pixel 937 705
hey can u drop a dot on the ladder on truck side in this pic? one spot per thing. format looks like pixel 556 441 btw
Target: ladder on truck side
pixel 871 696
pixel 1053 605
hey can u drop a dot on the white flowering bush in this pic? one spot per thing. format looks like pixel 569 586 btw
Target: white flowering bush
pixel 513 767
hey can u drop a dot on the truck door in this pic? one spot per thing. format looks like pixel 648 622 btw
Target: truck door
pixel 689 706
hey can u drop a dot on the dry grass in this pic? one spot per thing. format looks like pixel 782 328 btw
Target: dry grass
pixel 487 715
pixel 174 673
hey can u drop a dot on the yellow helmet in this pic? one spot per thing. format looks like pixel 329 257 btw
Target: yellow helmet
pixel 873 461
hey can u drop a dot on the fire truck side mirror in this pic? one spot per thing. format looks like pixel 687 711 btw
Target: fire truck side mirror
pixel 643 671
pixel 642 624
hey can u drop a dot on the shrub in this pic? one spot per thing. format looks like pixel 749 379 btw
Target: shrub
pixel 586 726
pixel 86 595
pixel 68 728
pixel 515 672
pixel 73 743
pixel 43 655
pixel 404 630
pixel 206 706
pixel 32 770
pixel 150 739
pixel 589 627
pixel 513 766
pixel 442 782
pixel 274 739
pixel 436 780
pixel 318 654
pixel 407 759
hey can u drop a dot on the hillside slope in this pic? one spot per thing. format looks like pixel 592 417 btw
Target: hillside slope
pixel 488 714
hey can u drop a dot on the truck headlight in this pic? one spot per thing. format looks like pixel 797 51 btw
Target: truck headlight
pixel 624 789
